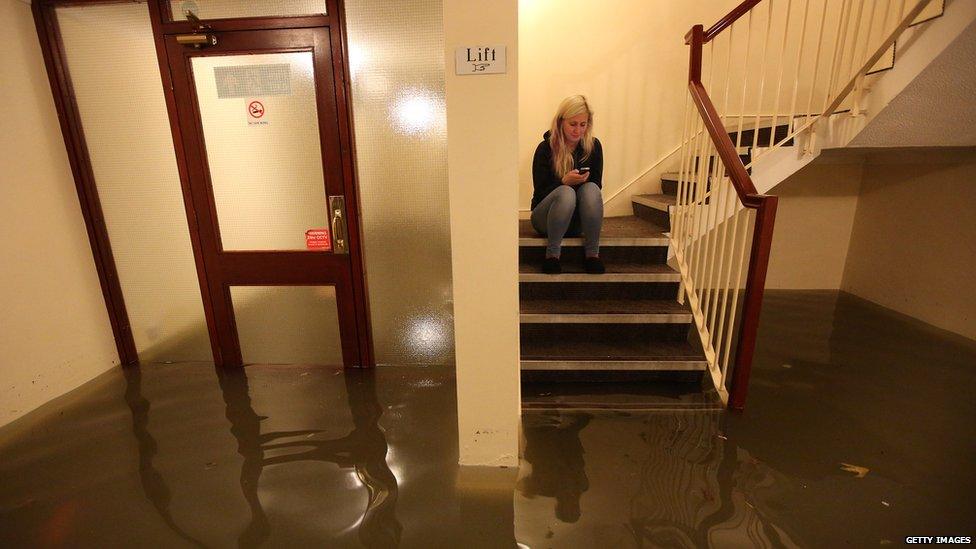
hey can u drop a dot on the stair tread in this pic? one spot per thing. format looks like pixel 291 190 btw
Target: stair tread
pixel 593 350
pixel 659 201
pixel 656 395
pixel 602 306
pixel 625 227
pixel 611 268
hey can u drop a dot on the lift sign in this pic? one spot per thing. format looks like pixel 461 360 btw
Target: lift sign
pixel 318 239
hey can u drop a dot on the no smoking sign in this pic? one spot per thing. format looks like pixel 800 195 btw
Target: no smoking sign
pixel 256 113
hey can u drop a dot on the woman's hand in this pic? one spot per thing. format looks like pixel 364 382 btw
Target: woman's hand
pixel 575 178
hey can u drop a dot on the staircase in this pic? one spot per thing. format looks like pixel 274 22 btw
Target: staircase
pixel 657 208
pixel 611 326
pixel 685 274
pixel 626 324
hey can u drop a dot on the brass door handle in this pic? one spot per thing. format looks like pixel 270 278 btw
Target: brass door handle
pixel 337 211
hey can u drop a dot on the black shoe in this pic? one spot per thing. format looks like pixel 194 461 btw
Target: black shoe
pixel 594 265
pixel 550 265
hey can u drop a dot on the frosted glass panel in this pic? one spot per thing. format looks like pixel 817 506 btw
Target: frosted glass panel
pixel 226 9
pixel 261 130
pixel 287 324
pixel 128 136
pixel 401 144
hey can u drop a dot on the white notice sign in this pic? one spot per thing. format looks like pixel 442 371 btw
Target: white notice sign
pixel 480 59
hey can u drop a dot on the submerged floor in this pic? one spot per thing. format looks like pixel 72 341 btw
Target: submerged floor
pixel 859 431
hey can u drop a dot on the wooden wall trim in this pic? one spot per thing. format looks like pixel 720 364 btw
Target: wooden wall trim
pixel 340 53
pixel 156 14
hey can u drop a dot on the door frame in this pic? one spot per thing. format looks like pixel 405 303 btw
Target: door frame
pixel 66 105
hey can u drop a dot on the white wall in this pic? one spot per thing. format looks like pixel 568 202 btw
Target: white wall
pixel 54 329
pixel 913 245
pixel 482 155
pixel 935 109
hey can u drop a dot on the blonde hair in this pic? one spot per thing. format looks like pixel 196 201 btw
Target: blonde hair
pixel 562 157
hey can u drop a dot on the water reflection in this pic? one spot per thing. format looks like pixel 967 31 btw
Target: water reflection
pixel 553 448
pixel 645 480
pixel 153 484
pixel 363 450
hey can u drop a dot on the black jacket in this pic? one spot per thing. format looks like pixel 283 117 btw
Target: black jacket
pixel 544 178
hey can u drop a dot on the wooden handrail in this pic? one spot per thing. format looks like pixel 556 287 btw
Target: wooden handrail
pixel 736 171
pixel 729 18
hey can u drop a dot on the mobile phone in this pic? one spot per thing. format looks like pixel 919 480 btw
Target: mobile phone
pixel 584 169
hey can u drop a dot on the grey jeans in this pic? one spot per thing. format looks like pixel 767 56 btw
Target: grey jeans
pixel 553 216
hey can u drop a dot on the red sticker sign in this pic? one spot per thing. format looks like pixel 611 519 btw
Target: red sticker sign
pixel 255 109
pixel 318 239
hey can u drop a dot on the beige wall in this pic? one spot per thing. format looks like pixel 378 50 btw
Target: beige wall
pixel 54 330
pixel 813 226
pixel 913 246
pixel 130 144
pixel 628 57
pixel 482 152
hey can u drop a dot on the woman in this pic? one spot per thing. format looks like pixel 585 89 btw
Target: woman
pixel 567 173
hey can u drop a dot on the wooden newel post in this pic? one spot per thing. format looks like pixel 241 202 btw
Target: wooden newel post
pixel 695 38
pixel 762 239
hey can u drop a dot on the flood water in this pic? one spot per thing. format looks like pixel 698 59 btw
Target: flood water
pixel 858 432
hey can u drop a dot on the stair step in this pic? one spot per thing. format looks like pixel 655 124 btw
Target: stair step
pixel 616 272
pixel 616 231
pixel 610 254
pixel 615 342
pixel 624 395
pixel 669 184
pixel 570 291
pixel 662 202
pixel 763 139
pixel 669 180
pixel 621 332
pixel 610 311
pixel 608 365
pixel 611 354
pixel 676 176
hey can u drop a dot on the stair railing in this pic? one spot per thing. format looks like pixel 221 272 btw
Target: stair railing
pixel 818 53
